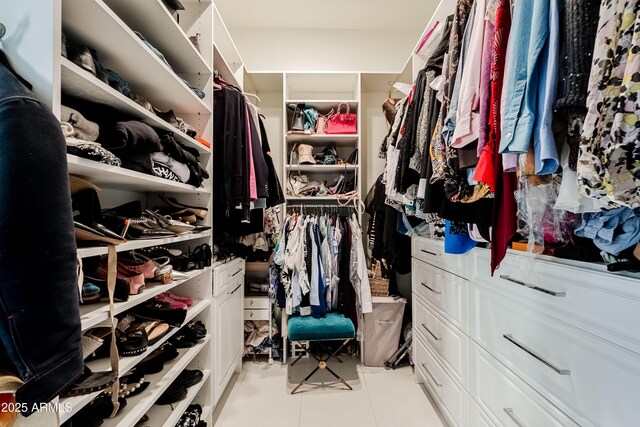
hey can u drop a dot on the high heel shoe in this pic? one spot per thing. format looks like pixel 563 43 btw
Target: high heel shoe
pixel 154 270
pixel 172 225
pixel 199 212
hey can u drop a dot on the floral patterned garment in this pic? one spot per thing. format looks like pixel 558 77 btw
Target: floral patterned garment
pixel 609 162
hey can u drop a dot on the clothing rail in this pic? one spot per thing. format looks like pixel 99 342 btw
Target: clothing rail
pixel 328 206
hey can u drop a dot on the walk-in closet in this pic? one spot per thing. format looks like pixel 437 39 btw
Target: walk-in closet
pixel 346 213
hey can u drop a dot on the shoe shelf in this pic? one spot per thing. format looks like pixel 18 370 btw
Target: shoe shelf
pixel 143 243
pixel 126 363
pixel 92 314
pixel 84 85
pixel 322 168
pixel 138 405
pixel 152 19
pixel 322 138
pixel 206 412
pixel 124 52
pixel 172 413
pixel 104 175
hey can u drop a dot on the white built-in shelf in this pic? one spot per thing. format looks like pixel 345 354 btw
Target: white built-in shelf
pixel 138 405
pixel 225 69
pixel 126 364
pixel 169 415
pixel 104 175
pixel 84 85
pixel 226 49
pixel 315 138
pixel 152 19
pixel 206 411
pixel 142 243
pixel 124 52
pixel 92 314
pixel 322 168
pixel 311 199
pixel 324 106
pixel 322 85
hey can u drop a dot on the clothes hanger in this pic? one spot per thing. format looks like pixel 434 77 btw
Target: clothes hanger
pixel 253 95
pixel 3 30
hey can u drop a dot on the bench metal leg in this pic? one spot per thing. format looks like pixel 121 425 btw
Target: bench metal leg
pixel 322 364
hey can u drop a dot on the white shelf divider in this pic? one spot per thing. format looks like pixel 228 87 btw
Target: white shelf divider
pixel 152 19
pixel 105 175
pixel 84 85
pixel 92 314
pixel 124 52
pixel 172 415
pixel 138 405
pixel 322 138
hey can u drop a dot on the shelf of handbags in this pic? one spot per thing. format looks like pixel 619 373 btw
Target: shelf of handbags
pixel 142 59
pixel 126 179
pixel 141 346
pixel 81 84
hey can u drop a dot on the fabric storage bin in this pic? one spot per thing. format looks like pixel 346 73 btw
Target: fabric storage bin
pixel 382 329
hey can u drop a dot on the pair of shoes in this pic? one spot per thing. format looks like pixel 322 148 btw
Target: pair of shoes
pixel 94 414
pixel 158 310
pixel 175 301
pixel 154 270
pixel 121 292
pixel 178 390
pixel 90 293
pixel 90 382
pixel 190 335
pixel 154 363
pixel 190 417
pixel 131 384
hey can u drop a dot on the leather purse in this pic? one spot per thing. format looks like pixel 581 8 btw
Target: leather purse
pixel 322 122
pixel 342 123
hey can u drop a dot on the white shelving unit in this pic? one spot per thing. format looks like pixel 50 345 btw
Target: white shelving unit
pixel 324 92
pixel 109 27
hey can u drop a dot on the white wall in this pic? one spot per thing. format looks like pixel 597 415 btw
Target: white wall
pixel 271 108
pixel 374 130
pixel 291 50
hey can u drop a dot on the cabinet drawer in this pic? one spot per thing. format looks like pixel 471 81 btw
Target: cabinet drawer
pixel 453 398
pixel 226 275
pixel 256 314
pixel 448 342
pixel 256 302
pixel 570 293
pixel 507 398
pixel 432 252
pixel 444 291
pixel 592 381
pixel 477 417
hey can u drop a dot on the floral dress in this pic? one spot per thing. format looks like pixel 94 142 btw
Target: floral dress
pixel 609 160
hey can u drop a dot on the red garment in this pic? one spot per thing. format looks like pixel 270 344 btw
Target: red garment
pixel 490 165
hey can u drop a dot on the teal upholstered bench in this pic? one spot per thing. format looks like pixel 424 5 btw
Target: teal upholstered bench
pixel 333 327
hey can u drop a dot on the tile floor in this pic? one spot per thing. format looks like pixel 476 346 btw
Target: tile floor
pixel 260 396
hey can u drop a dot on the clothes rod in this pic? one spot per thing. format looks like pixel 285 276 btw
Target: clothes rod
pixel 296 206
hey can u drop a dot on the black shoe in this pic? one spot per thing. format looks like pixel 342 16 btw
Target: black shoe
pixel 189 378
pixel 175 393
pixel 157 310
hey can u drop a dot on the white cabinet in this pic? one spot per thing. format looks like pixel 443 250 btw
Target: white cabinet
pixel 541 343
pixel 228 312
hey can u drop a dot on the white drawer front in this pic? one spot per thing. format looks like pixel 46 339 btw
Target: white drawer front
pixel 594 382
pixel 570 293
pixel 435 377
pixel 445 291
pixel 256 314
pixel 432 251
pixel 507 398
pixel 256 302
pixel 448 342
pixel 227 274
pixel 477 417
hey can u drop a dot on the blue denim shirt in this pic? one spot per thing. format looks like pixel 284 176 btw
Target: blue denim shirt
pixel 527 39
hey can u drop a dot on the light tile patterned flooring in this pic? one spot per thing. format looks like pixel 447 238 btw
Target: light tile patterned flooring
pixel 260 397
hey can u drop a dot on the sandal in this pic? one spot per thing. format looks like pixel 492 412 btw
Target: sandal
pixel 199 212
pixel 90 382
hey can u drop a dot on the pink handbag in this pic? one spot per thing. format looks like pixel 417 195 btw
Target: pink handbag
pixel 342 123
pixel 323 121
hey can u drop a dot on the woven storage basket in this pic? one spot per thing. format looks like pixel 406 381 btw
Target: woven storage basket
pixel 379 285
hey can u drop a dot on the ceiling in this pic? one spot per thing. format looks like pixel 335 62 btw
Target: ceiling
pixel 328 14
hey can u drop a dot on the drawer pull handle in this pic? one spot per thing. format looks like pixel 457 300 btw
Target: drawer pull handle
pixel 431 289
pixel 236 273
pixel 424 325
pixel 532 353
pixel 535 288
pixel 234 291
pixel 428 252
pixel 426 368
pixel 511 413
